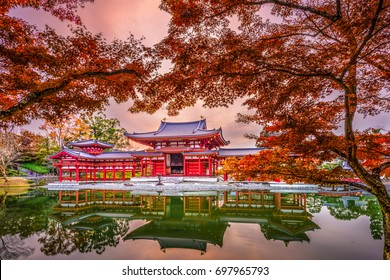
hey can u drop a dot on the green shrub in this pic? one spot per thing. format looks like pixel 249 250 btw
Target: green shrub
pixel 41 169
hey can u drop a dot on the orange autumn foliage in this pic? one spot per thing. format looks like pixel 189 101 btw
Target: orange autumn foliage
pixel 44 74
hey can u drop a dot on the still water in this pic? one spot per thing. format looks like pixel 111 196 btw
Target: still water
pixel 116 224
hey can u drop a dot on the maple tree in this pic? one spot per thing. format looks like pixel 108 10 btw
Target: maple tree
pixel 306 74
pixel 44 74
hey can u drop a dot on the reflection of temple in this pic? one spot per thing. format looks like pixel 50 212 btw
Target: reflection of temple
pixel 281 216
pixel 188 221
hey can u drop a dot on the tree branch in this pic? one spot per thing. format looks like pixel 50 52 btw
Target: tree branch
pixel 299 7
pixel 365 40
pixel 377 171
pixel 51 87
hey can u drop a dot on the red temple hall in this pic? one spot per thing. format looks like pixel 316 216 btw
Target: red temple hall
pixel 176 149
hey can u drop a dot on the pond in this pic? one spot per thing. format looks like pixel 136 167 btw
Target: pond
pixel 118 224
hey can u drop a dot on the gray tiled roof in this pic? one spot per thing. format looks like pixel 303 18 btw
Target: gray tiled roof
pixel 238 152
pixel 79 154
pixel 115 155
pixel 84 155
pixel 90 142
pixel 177 129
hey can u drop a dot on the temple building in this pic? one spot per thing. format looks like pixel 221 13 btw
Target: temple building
pixel 175 149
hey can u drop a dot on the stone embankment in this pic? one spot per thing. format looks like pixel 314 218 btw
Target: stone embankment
pixel 175 185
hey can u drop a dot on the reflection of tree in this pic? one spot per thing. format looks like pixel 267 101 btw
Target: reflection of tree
pixel 12 247
pixel 313 204
pixel 19 222
pixel 22 221
pixel 353 211
pixel 374 212
pixel 345 214
pixel 108 236
pixel 59 239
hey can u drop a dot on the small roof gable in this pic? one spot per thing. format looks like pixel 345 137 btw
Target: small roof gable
pixel 73 153
pixel 90 143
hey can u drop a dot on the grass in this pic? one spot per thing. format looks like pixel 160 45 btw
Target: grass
pixel 14 186
pixel 41 169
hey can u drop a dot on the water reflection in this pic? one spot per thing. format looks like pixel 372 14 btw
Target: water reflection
pixel 91 221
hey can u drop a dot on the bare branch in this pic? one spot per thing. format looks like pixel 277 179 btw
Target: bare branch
pixel 52 87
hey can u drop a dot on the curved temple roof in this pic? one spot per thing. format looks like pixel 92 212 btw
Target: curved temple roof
pixel 84 155
pixel 179 131
pixel 91 143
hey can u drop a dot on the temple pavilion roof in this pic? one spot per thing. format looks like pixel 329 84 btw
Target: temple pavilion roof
pixel 179 131
pixel 90 143
pixel 84 155
pixel 181 234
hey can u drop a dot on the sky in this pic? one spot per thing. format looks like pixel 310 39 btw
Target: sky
pixel 143 18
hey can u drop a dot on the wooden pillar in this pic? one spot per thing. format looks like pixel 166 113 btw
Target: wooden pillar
pixel 225 176
pixel 210 172
pixel 133 171
pixel 142 167
pixel 123 171
pixel 86 173
pixel 225 194
pixel 199 167
pixel 104 173
pixel 262 198
pixel 165 165
pixel 278 201
pixel 60 173
pixel 60 197
pixel 150 168
pixel 304 201
pixel 184 166
pixel 77 198
pixel 94 174
pixel 114 172
pixel 60 166
pixel 77 173
pixel 86 196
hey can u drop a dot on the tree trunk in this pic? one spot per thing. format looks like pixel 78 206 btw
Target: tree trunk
pixel 386 232
pixel 3 172
pixel 3 200
pixel 384 202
